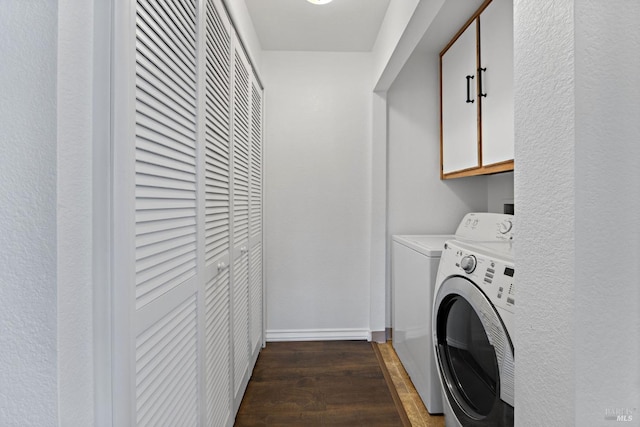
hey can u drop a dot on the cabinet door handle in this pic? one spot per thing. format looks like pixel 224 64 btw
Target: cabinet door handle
pixel 480 70
pixel 469 89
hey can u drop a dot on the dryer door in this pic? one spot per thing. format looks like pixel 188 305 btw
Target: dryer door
pixel 474 355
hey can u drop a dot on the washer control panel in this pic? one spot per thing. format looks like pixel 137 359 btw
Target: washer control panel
pixel 498 279
pixel 495 277
pixel 486 227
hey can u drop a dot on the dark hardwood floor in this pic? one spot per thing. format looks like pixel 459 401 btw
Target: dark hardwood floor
pixel 328 383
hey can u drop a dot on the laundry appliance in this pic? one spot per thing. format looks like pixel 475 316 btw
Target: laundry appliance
pixel 415 260
pixel 473 321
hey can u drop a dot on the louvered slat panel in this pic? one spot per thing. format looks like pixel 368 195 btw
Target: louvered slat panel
pixel 151 28
pixel 153 115
pixel 240 319
pixel 151 57
pixel 181 32
pixel 217 122
pixel 166 369
pixel 255 290
pixel 218 350
pixel 145 216
pixel 256 163
pixel 165 147
pixel 241 150
pixel 194 141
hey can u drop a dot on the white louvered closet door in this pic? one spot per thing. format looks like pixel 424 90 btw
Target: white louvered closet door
pixel 186 139
pixel 255 220
pixel 240 161
pixel 165 318
pixel 218 366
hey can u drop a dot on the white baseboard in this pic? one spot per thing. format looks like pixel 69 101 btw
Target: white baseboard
pixel 317 335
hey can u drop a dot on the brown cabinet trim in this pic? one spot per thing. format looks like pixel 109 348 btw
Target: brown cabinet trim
pixel 506 166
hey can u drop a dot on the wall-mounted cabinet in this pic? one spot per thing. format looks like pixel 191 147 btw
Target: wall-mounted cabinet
pixel 187 214
pixel 476 82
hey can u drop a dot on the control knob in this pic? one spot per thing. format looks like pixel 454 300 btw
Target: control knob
pixel 505 226
pixel 468 263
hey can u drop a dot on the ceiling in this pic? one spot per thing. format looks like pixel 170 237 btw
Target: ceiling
pixel 297 25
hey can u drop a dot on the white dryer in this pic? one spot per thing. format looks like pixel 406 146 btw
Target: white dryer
pixel 472 323
pixel 415 260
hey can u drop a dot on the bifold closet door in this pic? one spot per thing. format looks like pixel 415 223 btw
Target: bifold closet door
pixel 240 274
pixel 187 215
pixel 247 220
pixel 255 221
pixel 218 71
pixel 156 291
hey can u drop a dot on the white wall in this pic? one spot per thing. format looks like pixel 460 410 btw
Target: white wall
pixel 607 43
pixel 317 197
pixel 398 15
pixel 499 191
pixel 46 305
pixel 28 341
pixel 418 201
pixel 576 187
pixel 74 219
pixel 378 250
pixel 545 199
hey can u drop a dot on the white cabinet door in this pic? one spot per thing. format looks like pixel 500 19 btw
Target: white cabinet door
pixel 496 50
pixel 459 104
pixel 477 95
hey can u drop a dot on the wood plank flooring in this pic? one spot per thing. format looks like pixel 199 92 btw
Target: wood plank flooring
pixel 411 401
pixel 328 383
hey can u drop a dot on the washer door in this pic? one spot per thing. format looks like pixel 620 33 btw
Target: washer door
pixel 474 355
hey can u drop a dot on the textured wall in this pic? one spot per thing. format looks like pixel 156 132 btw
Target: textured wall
pixel 317 180
pixel 576 188
pixel 28 362
pixel 545 201
pixel 607 310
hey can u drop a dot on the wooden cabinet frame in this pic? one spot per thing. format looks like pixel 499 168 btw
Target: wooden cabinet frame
pixel 481 169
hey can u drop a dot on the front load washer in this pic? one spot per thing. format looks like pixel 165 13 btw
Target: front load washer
pixel 472 323
pixel 414 265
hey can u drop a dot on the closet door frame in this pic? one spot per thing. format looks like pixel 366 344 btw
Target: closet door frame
pixel 123 192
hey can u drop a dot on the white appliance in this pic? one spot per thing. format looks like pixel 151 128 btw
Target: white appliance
pixel 473 320
pixel 415 262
